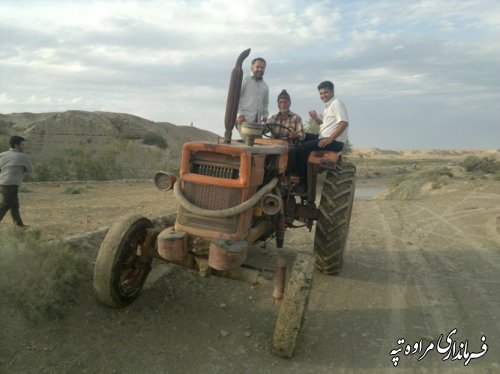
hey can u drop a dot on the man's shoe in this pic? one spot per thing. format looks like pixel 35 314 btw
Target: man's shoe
pixel 22 227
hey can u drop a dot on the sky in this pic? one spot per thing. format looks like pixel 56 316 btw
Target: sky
pixel 420 74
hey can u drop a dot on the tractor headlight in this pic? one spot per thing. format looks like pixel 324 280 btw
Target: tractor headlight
pixel 164 181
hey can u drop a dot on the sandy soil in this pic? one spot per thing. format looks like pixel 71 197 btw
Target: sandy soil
pixel 414 270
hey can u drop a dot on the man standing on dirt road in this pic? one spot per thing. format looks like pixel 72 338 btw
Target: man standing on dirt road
pixel 254 96
pixel 332 131
pixel 14 163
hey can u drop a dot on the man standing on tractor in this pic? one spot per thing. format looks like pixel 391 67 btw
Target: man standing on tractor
pixel 332 131
pixel 287 125
pixel 254 96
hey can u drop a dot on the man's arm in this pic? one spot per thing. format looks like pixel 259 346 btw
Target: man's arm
pixel 265 113
pixel 315 117
pixel 339 130
pixel 298 132
pixel 28 167
pixel 240 118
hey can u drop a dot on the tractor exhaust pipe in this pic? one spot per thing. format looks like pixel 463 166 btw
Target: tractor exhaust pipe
pixel 233 96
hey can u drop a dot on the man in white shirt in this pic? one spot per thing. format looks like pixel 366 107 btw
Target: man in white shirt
pixel 332 131
pixel 254 96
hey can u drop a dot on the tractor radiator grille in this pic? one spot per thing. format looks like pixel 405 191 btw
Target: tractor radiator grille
pixel 215 164
pixel 213 198
pixel 215 171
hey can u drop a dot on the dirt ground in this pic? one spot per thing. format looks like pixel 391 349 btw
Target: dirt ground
pixel 414 270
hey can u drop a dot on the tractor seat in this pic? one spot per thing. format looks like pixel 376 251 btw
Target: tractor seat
pixel 326 159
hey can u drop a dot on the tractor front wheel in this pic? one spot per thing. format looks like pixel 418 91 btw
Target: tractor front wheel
pixel 121 267
pixel 293 306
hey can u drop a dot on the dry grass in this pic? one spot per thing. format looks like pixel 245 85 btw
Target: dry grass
pixel 40 278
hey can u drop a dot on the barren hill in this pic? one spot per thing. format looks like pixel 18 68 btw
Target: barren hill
pixel 48 133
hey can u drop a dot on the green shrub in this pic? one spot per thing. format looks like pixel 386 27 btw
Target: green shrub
pixel 128 159
pixel 73 190
pixel 24 189
pixel 347 148
pixel 435 175
pixel 484 165
pixel 445 171
pixel 436 185
pixel 312 127
pixel 91 165
pixel 40 278
pixel 401 170
pixel 79 164
pixel 152 138
pixel 56 169
pixel 4 143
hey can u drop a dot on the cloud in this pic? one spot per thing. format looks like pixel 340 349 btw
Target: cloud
pixel 5 99
pixel 171 60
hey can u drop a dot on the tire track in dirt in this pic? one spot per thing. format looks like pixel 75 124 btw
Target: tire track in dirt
pixel 418 273
pixel 397 280
pixel 474 239
pixel 461 287
pixel 475 242
pixel 450 213
pixel 447 296
pixel 486 263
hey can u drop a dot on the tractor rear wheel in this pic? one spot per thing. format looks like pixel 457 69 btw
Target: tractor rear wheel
pixel 293 306
pixel 334 218
pixel 119 272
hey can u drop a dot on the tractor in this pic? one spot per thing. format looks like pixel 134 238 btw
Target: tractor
pixel 232 196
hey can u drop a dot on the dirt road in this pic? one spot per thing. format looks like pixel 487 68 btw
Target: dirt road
pixel 414 270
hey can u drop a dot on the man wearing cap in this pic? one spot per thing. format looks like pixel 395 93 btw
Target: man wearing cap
pixel 290 127
pixel 332 131
pixel 14 163
pixel 254 95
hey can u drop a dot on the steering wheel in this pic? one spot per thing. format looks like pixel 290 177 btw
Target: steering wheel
pixel 269 127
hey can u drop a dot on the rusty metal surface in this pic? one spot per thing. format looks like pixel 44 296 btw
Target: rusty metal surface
pixel 218 165
pixel 271 204
pixel 213 198
pixel 279 281
pixel 172 245
pixel 225 255
pixel 325 157
pixel 306 212
pixel 244 274
pixel 164 181
pixel 186 219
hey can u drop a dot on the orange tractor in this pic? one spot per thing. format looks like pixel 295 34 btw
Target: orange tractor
pixel 233 195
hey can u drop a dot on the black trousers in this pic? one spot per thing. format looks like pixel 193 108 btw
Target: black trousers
pixel 311 144
pixel 291 167
pixel 10 201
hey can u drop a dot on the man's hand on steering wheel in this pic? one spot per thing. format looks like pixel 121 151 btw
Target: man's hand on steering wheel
pixel 268 127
